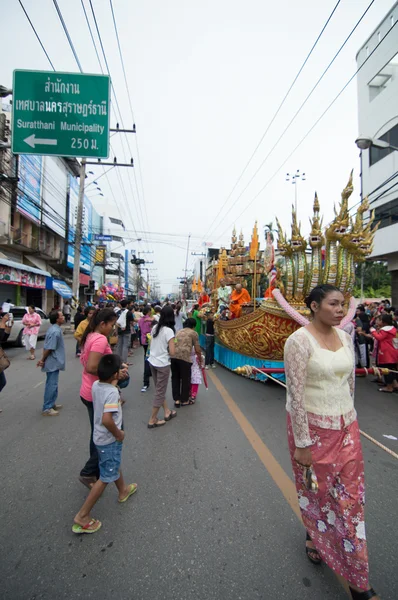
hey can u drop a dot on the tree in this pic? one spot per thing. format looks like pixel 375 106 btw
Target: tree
pixel 376 280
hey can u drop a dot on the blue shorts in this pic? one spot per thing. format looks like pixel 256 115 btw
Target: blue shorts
pixel 109 458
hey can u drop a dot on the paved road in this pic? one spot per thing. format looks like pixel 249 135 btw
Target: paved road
pixel 211 519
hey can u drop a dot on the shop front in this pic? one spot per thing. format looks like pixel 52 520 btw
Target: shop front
pixel 57 292
pixel 22 285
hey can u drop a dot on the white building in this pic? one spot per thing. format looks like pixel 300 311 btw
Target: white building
pixel 378 119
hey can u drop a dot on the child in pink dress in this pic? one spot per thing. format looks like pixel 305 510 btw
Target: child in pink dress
pixel 196 375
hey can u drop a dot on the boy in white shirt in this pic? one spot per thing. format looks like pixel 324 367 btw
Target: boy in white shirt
pixel 108 437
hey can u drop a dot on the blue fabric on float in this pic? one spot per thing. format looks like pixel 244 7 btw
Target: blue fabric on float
pixel 231 360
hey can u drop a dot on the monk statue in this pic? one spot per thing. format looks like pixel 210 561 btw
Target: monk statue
pixel 239 297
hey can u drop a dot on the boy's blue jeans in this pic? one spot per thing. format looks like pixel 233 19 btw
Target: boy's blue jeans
pixel 51 390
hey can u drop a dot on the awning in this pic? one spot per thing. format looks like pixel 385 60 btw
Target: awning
pixel 62 288
pixel 22 267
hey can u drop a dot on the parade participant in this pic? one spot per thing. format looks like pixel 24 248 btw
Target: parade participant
pixel 145 324
pixel 195 315
pixel 210 341
pixel 67 311
pixel 239 297
pixel 324 441
pixel 162 348
pixel 123 324
pixel 196 375
pixel 224 293
pixel 32 322
pixel 52 362
pixel 181 363
pixel 94 345
pixel 5 330
pixel 81 328
pixel 387 354
pixel 203 298
pixel 108 437
pixel 180 316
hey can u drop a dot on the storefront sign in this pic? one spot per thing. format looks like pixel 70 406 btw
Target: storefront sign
pixel 62 288
pixel 19 277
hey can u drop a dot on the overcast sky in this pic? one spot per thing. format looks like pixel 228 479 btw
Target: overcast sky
pixel 205 79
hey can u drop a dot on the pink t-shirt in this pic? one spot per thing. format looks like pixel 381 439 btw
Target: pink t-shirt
pixel 95 342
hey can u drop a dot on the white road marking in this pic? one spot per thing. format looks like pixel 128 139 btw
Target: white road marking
pixel 37 384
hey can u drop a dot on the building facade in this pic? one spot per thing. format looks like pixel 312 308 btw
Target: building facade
pixel 378 119
pixel 38 210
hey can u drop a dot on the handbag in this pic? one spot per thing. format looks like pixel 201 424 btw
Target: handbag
pixel 123 383
pixel 4 361
pixel 113 338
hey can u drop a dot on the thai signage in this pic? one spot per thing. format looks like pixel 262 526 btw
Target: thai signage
pixel 60 114
pixel 19 277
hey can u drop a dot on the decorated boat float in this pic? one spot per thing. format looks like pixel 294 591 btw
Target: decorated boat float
pixel 329 255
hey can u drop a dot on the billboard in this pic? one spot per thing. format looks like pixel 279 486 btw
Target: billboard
pixel 86 256
pixel 29 186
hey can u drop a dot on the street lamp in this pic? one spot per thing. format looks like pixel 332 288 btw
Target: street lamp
pixel 294 179
pixel 364 143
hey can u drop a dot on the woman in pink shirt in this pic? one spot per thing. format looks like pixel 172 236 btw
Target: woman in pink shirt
pixel 94 346
pixel 32 322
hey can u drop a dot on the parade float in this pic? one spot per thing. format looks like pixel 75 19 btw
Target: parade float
pixel 329 255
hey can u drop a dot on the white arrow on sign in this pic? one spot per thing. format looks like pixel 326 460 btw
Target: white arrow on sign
pixel 33 141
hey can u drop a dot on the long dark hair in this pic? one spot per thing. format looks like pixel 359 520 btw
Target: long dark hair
pixel 103 315
pixel 167 319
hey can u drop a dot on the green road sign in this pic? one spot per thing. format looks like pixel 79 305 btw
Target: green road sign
pixel 61 114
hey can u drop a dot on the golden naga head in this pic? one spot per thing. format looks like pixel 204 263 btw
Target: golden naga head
pixel 339 226
pixel 359 241
pixel 283 245
pixel 298 243
pixel 316 239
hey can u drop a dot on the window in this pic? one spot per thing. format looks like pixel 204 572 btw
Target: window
pixel 18 313
pixel 383 78
pixel 387 214
pixel 376 154
pixel 41 314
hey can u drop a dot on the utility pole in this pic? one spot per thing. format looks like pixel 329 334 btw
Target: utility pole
pixel 186 267
pixel 79 231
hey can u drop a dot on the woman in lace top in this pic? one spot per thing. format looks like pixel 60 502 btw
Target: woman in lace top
pixel 324 441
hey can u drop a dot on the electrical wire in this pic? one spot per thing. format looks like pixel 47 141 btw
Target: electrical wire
pixel 120 114
pixel 37 35
pixel 67 35
pixel 310 130
pixel 275 114
pixel 301 106
pixel 131 106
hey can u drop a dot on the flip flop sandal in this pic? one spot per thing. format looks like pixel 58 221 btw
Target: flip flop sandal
pixel 132 490
pixel 171 415
pixel 386 391
pixel 90 527
pixel 177 404
pixel 153 425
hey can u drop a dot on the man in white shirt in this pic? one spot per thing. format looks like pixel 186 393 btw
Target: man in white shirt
pixel 224 293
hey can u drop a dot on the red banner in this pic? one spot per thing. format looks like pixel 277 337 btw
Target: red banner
pixel 18 277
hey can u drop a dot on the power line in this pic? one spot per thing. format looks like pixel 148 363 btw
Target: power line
pixel 275 114
pixel 67 34
pixel 131 106
pixel 302 105
pixel 37 35
pixel 311 129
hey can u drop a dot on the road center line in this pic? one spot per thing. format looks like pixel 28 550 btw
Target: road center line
pixel 38 384
pixel 282 480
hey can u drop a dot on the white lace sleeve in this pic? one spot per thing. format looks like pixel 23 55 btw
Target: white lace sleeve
pixel 351 379
pixel 297 354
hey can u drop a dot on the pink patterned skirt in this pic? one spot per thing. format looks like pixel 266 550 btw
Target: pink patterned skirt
pixel 334 515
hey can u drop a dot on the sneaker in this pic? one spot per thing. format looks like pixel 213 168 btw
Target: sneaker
pixel 207 367
pixel 58 406
pixel 213 366
pixel 144 388
pixel 50 413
